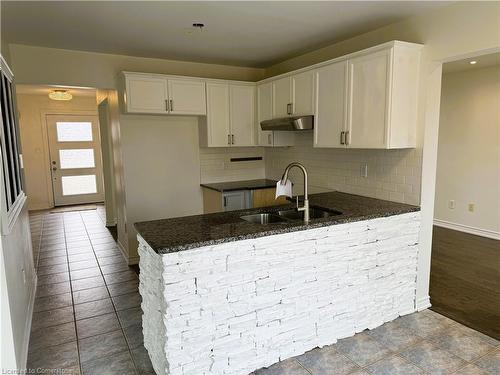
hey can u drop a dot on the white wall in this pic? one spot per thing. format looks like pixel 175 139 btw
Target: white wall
pixel 20 282
pixel 32 110
pixel 468 169
pixel 161 169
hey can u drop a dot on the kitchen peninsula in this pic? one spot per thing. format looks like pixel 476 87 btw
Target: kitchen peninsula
pixel 222 295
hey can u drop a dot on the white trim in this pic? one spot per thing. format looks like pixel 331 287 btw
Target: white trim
pixel 467 229
pixel 125 254
pixel 423 303
pixel 27 328
pixel 111 222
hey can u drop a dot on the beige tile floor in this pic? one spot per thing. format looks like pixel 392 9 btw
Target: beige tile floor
pixel 87 318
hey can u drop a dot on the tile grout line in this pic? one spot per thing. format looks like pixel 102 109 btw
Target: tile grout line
pixel 72 298
pixel 111 299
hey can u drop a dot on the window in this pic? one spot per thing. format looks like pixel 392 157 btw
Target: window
pixel 9 144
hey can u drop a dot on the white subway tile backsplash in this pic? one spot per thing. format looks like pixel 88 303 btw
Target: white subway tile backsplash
pixel 392 174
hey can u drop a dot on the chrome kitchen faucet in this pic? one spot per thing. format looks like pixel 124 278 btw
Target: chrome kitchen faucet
pixel 284 179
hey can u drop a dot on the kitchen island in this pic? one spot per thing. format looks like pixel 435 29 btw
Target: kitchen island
pixel 225 296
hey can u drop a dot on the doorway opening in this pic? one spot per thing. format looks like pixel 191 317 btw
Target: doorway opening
pixel 465 282
pixel 62 146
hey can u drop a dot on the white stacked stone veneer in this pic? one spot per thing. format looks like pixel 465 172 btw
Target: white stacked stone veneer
pixel 235 307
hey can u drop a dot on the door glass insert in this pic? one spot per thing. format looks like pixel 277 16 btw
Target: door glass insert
pixel 74 131
pixel 75 185
pixel 76 158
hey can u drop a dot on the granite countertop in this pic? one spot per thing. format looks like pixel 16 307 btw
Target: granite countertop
pixel 188 232
pixel 241 185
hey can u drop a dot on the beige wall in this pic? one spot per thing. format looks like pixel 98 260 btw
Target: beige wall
pixel 32 110
pixel 101 70
pixel 468 169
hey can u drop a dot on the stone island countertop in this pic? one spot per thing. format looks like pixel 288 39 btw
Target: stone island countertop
pixel 188 232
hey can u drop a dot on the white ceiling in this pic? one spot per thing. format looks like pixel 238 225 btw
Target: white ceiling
pixel 483 61
pixel 243 33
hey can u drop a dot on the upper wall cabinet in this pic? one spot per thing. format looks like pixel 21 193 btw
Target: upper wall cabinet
pixel 375 105
pixel 158 94
pixel 268 138
pixel 230 120
pixel 293 95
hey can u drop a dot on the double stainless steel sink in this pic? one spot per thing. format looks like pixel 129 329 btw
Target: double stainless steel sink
pixel 289 215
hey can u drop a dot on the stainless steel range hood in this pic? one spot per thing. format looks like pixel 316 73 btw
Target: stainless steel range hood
pixel 296 123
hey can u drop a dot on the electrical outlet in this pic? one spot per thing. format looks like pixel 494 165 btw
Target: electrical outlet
pixel 364 170
pixel 472 207
pixel 451 204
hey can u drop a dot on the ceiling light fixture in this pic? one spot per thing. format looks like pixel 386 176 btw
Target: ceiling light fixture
pixel 60 95
pixel 473 62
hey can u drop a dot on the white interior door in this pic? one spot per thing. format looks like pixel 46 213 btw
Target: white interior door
pixel 75 159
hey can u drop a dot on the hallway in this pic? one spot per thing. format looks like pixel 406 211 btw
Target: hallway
pixel 87 315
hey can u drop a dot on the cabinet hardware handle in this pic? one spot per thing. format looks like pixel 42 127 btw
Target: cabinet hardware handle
pixel 342 142
pixel 269 139
pixel 166 105
pixel 289 109
pixel 229 139
pixel 347 141
pixel 232 139
pixel 225 201
pixel 171 105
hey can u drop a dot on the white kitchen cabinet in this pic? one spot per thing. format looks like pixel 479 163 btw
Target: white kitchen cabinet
pixel 331 111
pixel 159 94
pixel 230 120
pixel 303 94
pixel 146 94
pixel 242 114
pixel 293 95
pixel 268 138
pixel 282 97
pixel 218 131
pixel 378 107
pixel 187 97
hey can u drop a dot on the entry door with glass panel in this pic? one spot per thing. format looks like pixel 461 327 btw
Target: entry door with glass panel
pixel 75 157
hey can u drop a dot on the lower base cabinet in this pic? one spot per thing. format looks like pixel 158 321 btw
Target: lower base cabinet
pixel 216 201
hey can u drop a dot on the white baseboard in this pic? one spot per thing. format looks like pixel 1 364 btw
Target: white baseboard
pixel 27 326
pixel 467 229
pixel 423 303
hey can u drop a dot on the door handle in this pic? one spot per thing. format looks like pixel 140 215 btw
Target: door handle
pixel 347 141
pixel 171 105
pixel 289 109
pixel 166 105
pixel 342 138
pixel 229 139
pixel 232 139
pixel 225 201
pixel 269 139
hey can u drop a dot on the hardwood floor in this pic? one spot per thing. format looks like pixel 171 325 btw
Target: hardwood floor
pixel 465 279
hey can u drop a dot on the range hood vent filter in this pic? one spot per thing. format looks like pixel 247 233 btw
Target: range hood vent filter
pixel 296 123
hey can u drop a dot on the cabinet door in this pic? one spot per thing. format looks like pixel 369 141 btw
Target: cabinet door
pixel 264 112
pixel 331 92
pixel 234 200
pixel 218 115
pixel 282 97
pixel 187 97
pixel 242 114
pixel 146 94
pixel 368 100
pixel 303 93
